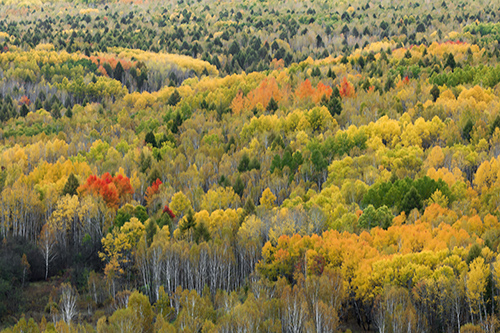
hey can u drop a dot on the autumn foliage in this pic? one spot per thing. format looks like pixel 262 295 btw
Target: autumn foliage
pixel 346 89
pixel 152 190
pixel 114 190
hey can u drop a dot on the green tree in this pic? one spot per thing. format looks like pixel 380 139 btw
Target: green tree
pixel 150 139
pixel 466 132
pixel 174 99
pixel 334 105
pixel 24 110
pixel 435 93
pixel 411 200
pixel 118 72
pixel 151 229
pixel 239 186
pixel 71 185
pixel 272 106
pixel 244 163
pixel 188 224
pixel 201 233
pixel 495 124
pixel 450 61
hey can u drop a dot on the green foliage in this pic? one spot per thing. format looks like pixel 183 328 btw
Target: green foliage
pixel 174 98
pixel 371 217
pixel 71 185
pixel 239 186
pixel 405 194
pixel 435 93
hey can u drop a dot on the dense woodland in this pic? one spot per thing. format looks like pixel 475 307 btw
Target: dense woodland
pixel 249 166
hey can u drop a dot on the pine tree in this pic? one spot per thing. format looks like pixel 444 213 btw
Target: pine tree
pixel 435 93
pixel 71 185
pixel 24 110
pixel 239 186
pixel 174 99
pixel 272 106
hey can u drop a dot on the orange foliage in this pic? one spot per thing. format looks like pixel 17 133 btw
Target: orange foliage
pixel 305 91
pixel 346 89
pixel 404 82
pixel 112 61
pixel 237 104
pixel 24 100
pixel 114 190
pixel 277 64
pixel 263 93
pixel 102 71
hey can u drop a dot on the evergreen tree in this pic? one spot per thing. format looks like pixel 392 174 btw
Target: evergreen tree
pixel 239 186
pixel 24 110
pixel 201 233
pixel 466 132
pixel 71 185
pixel 118 72
pixel 151 228
pixel 174 99
pixel 411 200
pixel 244 163
pixel 150 139
pixel 435 93
pixel 272 106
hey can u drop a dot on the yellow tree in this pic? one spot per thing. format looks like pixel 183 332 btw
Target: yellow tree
pixel 477 278
pixel 268 199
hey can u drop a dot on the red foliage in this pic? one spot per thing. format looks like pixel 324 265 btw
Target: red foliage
pixel 114 190
pixel 152 190
pixel 403 82
pixel 169 212
pixel 457 42
pixel 346 89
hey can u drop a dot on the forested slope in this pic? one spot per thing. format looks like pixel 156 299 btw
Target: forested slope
pixel 249 166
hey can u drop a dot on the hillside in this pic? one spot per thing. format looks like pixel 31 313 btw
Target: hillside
pixel 280 166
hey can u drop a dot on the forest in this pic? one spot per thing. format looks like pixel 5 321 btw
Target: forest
pixel 249 166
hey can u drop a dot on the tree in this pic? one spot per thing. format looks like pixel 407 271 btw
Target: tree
pixel 150 139
pixel 272 106
pixel 151 230
pixel 435 93
pixel 201 233
pixel 411 200
pixel 67 303
pixel 450 61
pixel 24 110
pixel 268 199
pixel 142 312
pixel 331 74
pixel 495 125
pixel 244 163
pixel 239 186
pixel 118 72
pixel 334 105
pixel 187 225
pixel 47 245
pixel 466 132
pixel 71 186
pixel 174 99
pixel 26 267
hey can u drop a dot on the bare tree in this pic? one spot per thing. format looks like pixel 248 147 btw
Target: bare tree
pixel 47 245
pixel 68 302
